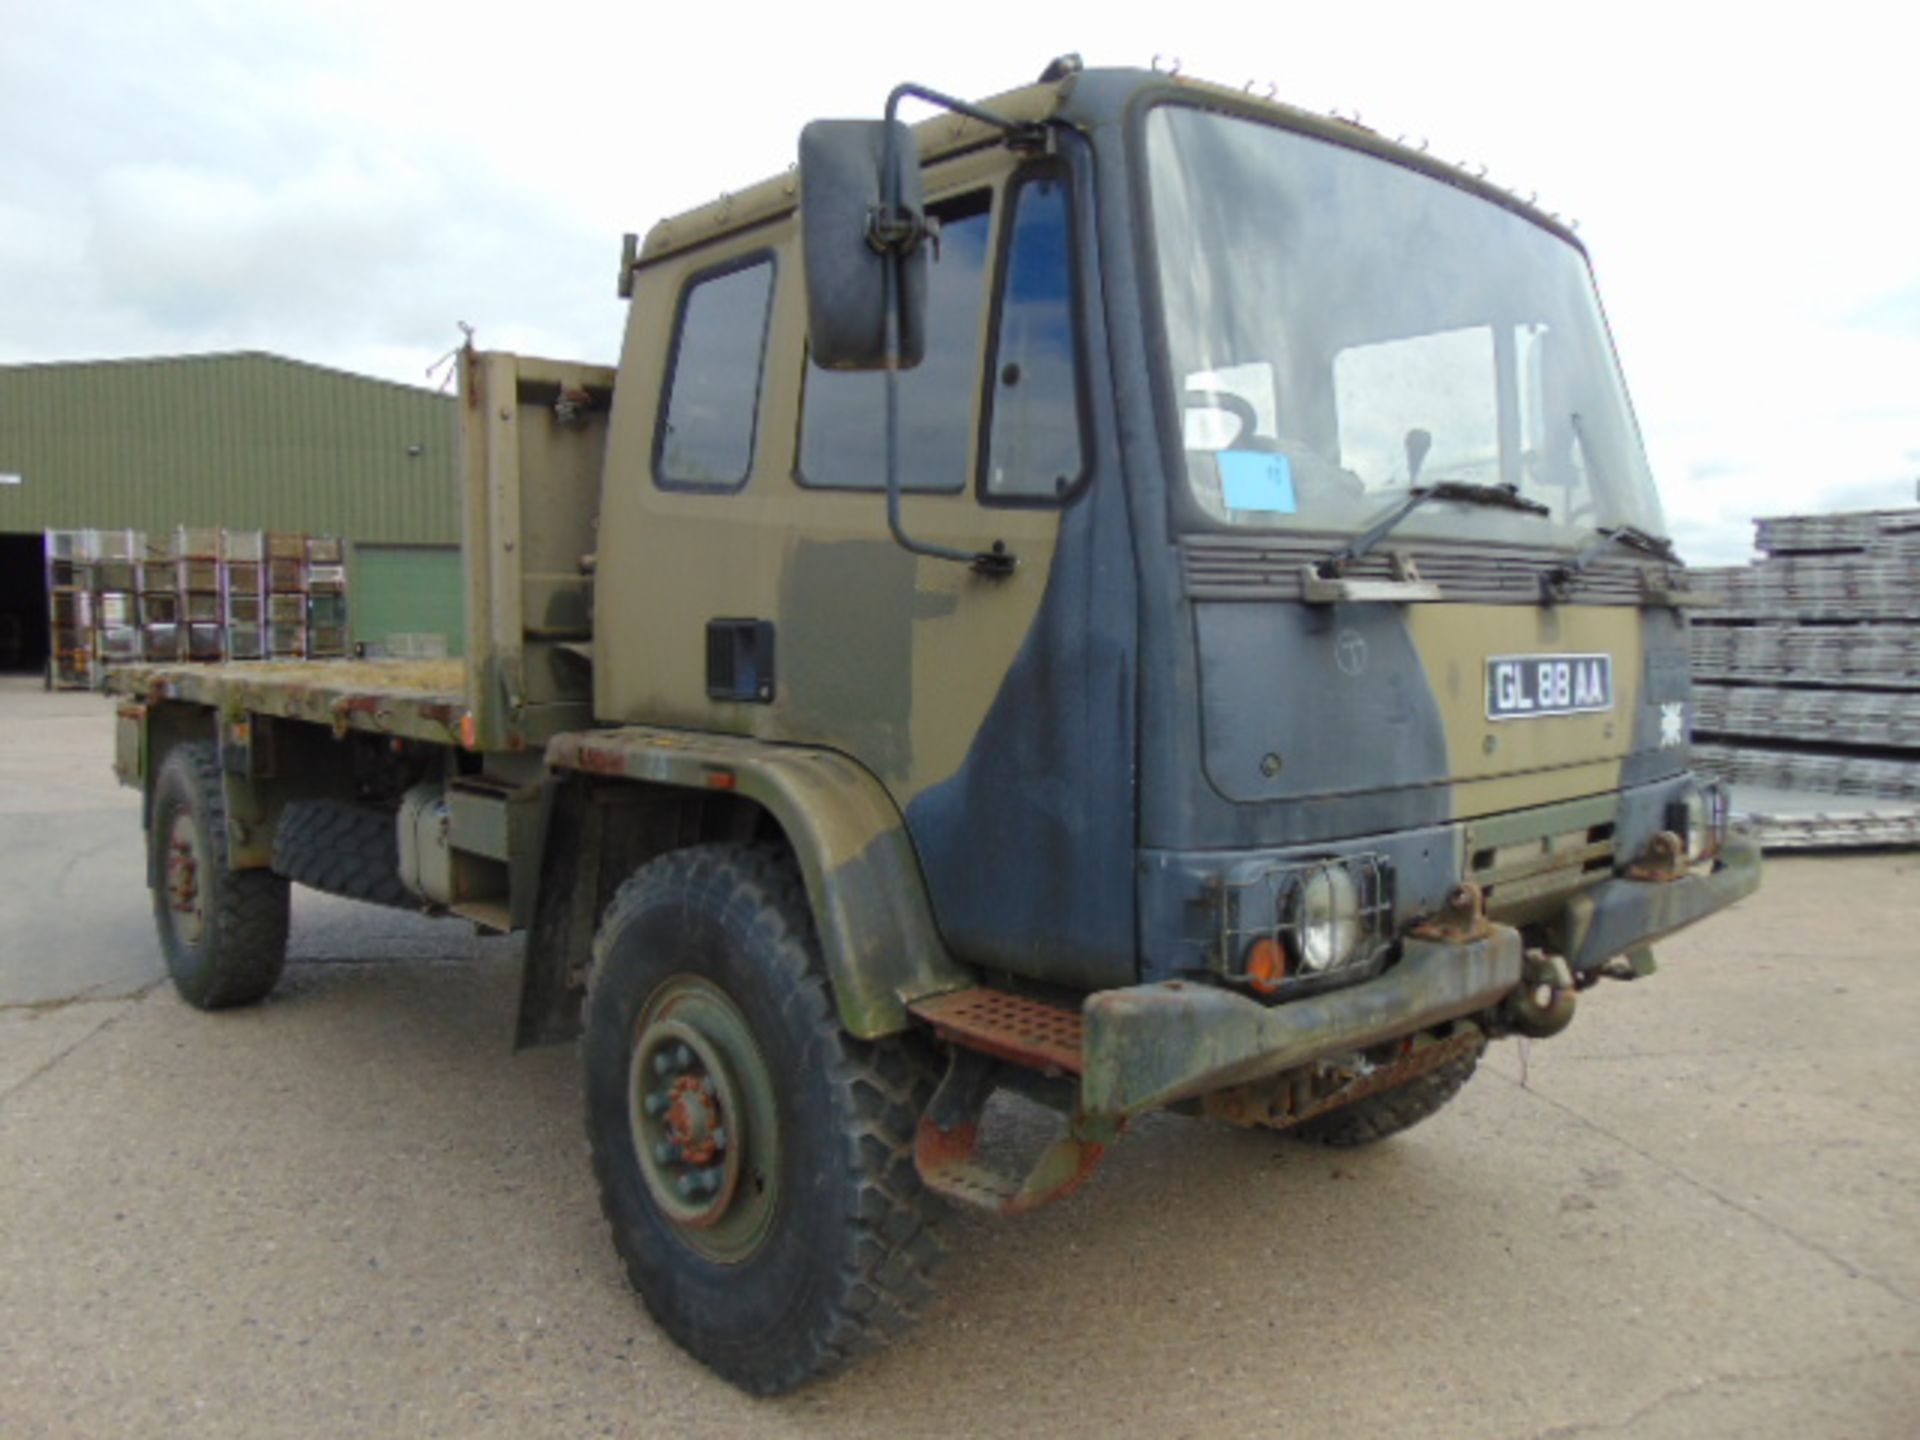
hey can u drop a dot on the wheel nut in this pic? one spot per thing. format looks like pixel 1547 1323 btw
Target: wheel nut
pixel 663 1063
pixel 666 1152
pixel 682 1058
pixel 719 1137
pixel 690 1186
pixel 710 1180
pixel 657 1104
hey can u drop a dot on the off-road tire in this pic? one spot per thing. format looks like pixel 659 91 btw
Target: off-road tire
pixel 343 849
pixel 849 1250
pixel 241 947
pixel 1375 1117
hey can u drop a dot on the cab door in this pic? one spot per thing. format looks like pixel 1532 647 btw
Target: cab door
pixel 995 709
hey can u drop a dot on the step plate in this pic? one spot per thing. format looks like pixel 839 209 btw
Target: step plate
pixel 1017 1028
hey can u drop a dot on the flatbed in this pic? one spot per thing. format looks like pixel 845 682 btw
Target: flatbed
pixel 409 699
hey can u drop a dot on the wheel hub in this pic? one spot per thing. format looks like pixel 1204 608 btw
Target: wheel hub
pixel 182 879
pixel 701 1108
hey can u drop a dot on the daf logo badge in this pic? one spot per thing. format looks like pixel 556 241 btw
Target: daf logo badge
pixel 1350 652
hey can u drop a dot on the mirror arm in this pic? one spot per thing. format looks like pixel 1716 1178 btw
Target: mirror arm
pixel 894 235
pixel 1020 134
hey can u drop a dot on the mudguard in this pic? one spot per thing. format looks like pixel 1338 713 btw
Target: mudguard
pixel 863 879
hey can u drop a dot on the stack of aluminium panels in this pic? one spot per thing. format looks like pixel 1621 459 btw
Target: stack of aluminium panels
pixel 1807 678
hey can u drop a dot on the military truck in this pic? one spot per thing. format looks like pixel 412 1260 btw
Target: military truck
pixel 1128 595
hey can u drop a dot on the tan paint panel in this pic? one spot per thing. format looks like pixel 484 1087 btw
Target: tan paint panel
pixel 890 658
pixel 1509 764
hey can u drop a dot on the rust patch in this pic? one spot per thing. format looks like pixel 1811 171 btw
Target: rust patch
pixel 947 1164
pixel 1461 919
pixel 1665 860
pixel 596 760
pixel 1014 1028
pixel 1287 1100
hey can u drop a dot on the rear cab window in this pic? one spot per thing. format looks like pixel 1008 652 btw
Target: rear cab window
pixel 709 410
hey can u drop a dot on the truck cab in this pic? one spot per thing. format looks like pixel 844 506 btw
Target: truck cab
pixel 1178 357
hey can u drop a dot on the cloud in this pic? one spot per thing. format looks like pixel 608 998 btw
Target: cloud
pixel 1897 313
pixel 342 180
pixel 185 247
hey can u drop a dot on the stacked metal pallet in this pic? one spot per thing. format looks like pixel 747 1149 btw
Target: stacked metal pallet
pixel 326 615
pixel 162 628
pixel 1807 671
pixel 286 595
pixel 198 577
pixel 69 612
pixel 245 593
pixel 118 596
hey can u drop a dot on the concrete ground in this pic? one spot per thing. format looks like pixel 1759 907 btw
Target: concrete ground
pixel 351 1211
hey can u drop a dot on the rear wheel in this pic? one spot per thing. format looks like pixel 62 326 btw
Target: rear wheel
pixel 223 931
pixel 755 1161
pixel 1375 1117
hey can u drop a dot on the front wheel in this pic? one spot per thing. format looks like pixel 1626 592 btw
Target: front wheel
pixel 223 931
pixel 755 1161
pixel 1375 1117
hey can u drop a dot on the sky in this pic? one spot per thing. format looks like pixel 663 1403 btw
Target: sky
pixel 346 182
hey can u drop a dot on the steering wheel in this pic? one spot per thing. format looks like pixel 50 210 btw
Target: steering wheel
pixel 1234 405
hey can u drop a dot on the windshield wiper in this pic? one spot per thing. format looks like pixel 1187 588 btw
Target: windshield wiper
pixel 1633 538
pixel 1557 583
pixel 1465 492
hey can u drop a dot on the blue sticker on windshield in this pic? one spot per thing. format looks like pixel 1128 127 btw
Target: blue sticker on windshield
pixel 1252 480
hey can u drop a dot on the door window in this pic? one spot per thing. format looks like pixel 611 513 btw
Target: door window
pixel 843 419
pixel 1035 449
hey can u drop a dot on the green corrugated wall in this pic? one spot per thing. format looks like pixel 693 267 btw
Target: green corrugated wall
pixel 246 441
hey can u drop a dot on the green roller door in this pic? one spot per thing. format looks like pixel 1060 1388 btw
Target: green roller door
pixel 405 599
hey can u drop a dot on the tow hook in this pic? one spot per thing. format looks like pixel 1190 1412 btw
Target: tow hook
pixel 1543 1005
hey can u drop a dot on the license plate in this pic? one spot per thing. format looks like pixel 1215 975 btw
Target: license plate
pixel 1522 686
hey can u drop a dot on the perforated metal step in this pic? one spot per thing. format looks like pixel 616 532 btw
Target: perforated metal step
pixel 1016 1028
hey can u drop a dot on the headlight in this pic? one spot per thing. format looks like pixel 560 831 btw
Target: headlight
pixel 1326 921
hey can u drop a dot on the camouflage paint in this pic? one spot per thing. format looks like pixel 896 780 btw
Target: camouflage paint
pixel 1040 774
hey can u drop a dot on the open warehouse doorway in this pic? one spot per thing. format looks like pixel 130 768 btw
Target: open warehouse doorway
pixel 23 602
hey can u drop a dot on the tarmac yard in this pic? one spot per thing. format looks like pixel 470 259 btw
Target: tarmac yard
pixel 352 1211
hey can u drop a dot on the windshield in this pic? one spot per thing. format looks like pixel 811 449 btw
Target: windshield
pixel 1341 327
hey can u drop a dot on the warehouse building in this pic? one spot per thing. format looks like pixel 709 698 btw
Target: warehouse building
pixel 245 442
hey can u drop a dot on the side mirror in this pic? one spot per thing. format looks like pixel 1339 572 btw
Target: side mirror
pixel 842 192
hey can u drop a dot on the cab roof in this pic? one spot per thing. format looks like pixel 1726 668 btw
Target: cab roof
pixel 1087 100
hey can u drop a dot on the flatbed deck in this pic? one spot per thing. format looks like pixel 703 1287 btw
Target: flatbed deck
pixel 414 699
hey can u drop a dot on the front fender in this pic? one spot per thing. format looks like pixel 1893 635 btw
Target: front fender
pixel 863 879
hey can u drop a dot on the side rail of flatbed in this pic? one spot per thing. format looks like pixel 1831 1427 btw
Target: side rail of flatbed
pixel 412 699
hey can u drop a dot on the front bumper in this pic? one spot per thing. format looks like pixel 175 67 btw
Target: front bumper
pixel 1146 1046
pixel 1625 914
pixel 1150 1045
